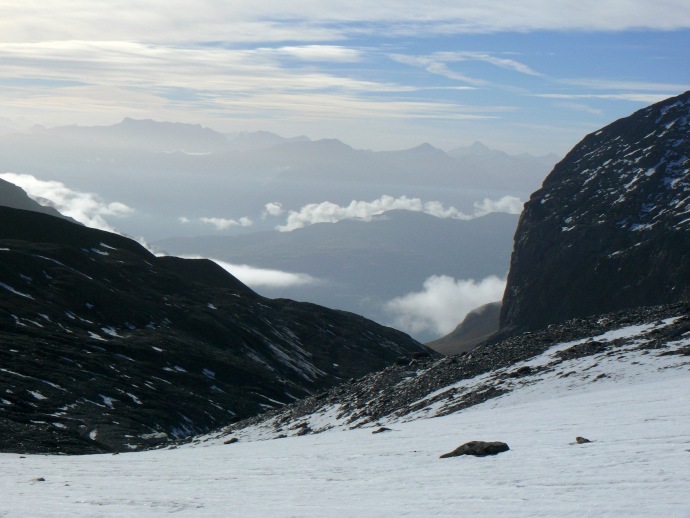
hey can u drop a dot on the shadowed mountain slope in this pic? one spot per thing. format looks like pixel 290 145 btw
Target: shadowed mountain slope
pixel 107 347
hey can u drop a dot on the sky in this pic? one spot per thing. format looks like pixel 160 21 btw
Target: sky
pixel 522 76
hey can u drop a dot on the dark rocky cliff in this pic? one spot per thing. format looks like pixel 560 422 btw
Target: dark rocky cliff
pixel 610 227
pixel 105 347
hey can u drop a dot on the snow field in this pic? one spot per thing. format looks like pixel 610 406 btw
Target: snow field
pixel 637 465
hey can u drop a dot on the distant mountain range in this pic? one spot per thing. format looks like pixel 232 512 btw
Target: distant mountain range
pixel 188 170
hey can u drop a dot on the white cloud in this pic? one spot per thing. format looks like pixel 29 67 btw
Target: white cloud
pixel 327 212
pixel 508 204
pixel 262 277
pixel 443 303
pixel 222 223
pixel 272 209
pixel 85 207
pixel 184 220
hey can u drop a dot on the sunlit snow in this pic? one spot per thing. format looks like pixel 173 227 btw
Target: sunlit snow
pixel 638 464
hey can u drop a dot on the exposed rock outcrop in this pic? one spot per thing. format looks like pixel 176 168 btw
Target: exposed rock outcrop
pixel 610 227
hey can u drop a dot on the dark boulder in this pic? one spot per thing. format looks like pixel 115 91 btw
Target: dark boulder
pixel 477 449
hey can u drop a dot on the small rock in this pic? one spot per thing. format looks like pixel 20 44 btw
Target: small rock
pixel 381 430
pixel 231 441
pixel 39 479
pixel 478 449
pixel 581 440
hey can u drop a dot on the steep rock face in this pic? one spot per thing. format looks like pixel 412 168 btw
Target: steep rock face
pixel 610 227
pixel 105 347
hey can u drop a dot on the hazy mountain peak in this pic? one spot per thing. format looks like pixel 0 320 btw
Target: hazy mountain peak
pixel 253 140
pixel 476 149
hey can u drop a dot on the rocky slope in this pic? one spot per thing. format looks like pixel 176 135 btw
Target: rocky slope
pixel 106 347
pixel 583 351
pixel 610 227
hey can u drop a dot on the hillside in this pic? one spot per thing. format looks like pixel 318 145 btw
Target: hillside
pixel 110 348
pixel 607 348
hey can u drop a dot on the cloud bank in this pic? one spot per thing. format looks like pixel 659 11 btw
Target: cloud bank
pixel 222 223
pixel 262 277
pixel 443 303
pixel 85 207
pixel 327 212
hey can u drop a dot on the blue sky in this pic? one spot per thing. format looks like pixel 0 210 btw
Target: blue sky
pixel 531 75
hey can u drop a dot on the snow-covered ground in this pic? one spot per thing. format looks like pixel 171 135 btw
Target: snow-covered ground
pixel 638 464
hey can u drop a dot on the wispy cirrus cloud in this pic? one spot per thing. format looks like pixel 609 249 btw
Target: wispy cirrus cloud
pixel 641 97
pixel 304 20
pixel 324 68
pixel 438 63
pixel 329 53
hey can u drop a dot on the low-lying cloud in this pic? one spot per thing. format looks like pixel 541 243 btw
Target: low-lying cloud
pixel 272 209
pixel 223 223
pixel 327 212
pixel 85 207
pixel 443 303
pixel 263 277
